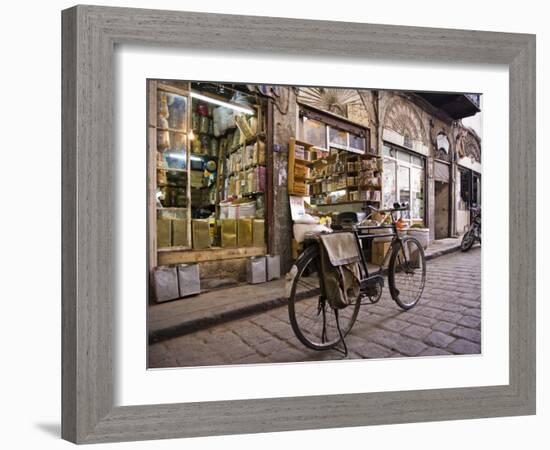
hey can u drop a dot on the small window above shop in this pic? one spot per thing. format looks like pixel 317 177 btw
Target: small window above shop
pixel 325 131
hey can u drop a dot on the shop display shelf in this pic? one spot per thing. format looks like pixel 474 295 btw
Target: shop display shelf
pixel 168 169
pixel 172 130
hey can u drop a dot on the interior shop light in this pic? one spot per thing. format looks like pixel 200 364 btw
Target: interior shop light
pixel 232 106
pixel 180 156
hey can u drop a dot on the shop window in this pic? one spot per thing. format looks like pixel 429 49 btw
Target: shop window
pixel 403 156
pixel 171 194
pixel 324 131
pixel 210 163
pixel 465 181
pixel 356 142
pixel 314 132
pixel 403 181
pixel 416 160
pixel 476 190
pixel 338 138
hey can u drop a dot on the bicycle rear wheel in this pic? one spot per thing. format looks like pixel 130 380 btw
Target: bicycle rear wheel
pixel 407 272
pixel 467 241
pixel 313 320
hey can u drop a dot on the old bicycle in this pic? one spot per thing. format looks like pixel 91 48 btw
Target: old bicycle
pixel 473 234
pixel 319 326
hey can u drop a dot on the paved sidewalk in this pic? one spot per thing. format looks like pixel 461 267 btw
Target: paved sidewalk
pixel 446 321
pixel 188 315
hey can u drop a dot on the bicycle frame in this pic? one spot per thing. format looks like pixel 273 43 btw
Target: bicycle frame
pixel 362 233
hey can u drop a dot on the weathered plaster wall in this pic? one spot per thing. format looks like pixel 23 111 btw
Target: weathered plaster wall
pixel 285 122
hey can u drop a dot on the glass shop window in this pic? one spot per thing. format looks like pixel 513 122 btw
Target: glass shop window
pixel 314 132
pixel 403 181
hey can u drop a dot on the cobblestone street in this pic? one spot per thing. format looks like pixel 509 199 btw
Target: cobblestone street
pixel 446 321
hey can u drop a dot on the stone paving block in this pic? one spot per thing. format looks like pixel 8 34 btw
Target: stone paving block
pixel 370 320
pixel 468 333
pixel 464 347
pixel 438 339
pixel 434 351
pixel 476 312
pixel 468 302
pixel 290 354
pixel 394 324
pixel 272 346
pixel 372 350
pixel 470 321
pixel 420 320
pixel 394 341
pixel 427 311
pixel 158 356
pixel 446 306
pixel 444 327
pixel 416 332
pixel 383 310
pixel 449 316
pixel 252 334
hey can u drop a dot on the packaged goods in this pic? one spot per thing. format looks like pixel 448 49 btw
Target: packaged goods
pixel 239 210
pixel 163 140
pixel 164 232
pixel 378 252
pixel 299 151
pixel 195 122
pixel 202 108
pixel 253 124
pixel 188 279
pixel 256 270
pixel 179 233
pixel 165 282
pixel 258 232
pixel 244 232
pixel 244 126
pixel 201 233
pixel 228 233
pixel 261 152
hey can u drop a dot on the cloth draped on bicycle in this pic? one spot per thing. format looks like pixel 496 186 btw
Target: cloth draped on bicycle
pixel 340 267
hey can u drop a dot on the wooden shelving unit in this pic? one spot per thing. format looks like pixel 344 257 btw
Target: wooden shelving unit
pixel 312 169
pixel 298 168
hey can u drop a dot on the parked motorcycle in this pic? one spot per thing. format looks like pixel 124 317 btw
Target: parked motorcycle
pixel 474 231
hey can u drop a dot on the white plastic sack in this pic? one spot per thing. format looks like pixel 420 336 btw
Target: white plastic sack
pixel 307 219
pixel 301 229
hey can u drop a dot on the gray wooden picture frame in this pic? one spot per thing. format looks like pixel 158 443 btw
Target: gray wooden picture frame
pixel 90 34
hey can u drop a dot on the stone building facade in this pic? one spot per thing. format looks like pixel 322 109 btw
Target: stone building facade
pixel 425 126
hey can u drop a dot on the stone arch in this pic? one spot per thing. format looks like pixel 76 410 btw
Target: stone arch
pixel 440 152
pixel 469 146
pixel 401 117
pixel 334 100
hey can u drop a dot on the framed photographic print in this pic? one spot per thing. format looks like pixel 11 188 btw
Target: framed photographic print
pixel 267 230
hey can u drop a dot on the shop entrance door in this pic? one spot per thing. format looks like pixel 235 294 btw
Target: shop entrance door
pixel 441 210
pixel 442 200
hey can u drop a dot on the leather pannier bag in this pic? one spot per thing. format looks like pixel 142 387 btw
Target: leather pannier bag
pixel 340 269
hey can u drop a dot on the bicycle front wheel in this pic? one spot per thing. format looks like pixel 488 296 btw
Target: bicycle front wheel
pixel 407 272
pixel 311 317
